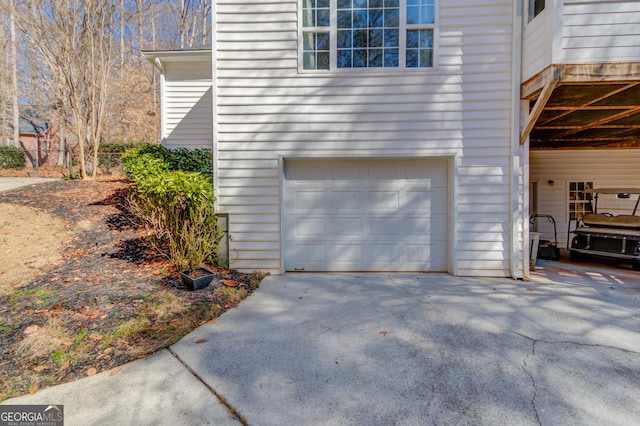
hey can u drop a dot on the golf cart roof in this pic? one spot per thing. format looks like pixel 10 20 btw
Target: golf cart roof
pixel 613 191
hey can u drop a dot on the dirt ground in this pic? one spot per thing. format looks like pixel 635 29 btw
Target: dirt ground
pixel 29 241
pixel 81 289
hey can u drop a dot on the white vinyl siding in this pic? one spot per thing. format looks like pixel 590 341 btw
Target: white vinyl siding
pixel 267 111
pixel 605 168
pixel 188 105
pixel 537 36
pixel 600 31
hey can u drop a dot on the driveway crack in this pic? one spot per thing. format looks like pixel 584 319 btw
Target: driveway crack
pixel 570 342
pixel 221 398
pixel 533 382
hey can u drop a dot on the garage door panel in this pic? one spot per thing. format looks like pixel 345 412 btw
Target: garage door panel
pixel 309 227
pixel 366 215
pixel 347 253
pixel 346 227
pixel 383 253
pixel 384 200
pixel 311 253
pixel 309 200
pixel 386 226
pixel 345 201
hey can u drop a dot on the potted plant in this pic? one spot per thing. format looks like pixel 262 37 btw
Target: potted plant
pixel 197 278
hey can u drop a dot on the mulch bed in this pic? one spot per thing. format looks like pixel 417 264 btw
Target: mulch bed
pixel 110 277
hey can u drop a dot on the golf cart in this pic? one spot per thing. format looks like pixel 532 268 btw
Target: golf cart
pixel 547 249
pixel 606 235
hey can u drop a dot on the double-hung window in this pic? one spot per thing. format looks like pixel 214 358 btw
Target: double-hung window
pixel 346 34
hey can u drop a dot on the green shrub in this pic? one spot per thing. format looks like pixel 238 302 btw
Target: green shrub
pixel 188 160
pixel 176 206
pixel 12 157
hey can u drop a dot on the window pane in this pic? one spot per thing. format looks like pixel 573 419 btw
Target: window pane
pixel 344 39
pixel 420 11
pixel 413 15
pixel 375 38
pixel 391 57
pixel 324 3
pixel 309 59
pixel 413 39
pixel 307 18
pixel 360 38
pixel 412 59
pixel 375 58
pixel 427 15
pixel 322 41
pixel 308 41
pixel 315 50
pixel 426 38
pixel 323 60
pixel 419 48
pixel 344 19
pixel 360 19
pixel 359 58
pixel 425 58
pixel 391 38
pixel 375 18
pixel 323 18
pixel 344 58
pixel 391 18
pixel 368 33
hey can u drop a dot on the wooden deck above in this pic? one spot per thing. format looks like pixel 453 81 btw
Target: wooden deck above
pixel 584 106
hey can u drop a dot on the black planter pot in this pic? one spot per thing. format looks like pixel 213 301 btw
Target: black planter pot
pixel 196 279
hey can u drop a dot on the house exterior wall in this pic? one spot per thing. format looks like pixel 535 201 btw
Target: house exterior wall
pixel 46 149
pixel 600 31
pixel 537 42
pixel 187 104
pixel 581 32
pixel 605 168
pixel 267 110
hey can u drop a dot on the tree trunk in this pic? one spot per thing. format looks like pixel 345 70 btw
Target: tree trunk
pixel 13 64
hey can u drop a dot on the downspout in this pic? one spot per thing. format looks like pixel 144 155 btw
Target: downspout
pixel 158 63
pixel 516 75
pixel 214 107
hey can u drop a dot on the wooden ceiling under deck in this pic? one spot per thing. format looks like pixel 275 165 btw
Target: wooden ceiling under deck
pixel 584 106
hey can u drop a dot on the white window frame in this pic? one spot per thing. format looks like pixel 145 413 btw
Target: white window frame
pixel 575 212
pixel 531 9
pixel 402 55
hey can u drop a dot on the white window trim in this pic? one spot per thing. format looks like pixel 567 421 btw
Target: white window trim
pixel 333 40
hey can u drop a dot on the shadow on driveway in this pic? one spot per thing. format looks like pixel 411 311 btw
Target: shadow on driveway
pixel 380 349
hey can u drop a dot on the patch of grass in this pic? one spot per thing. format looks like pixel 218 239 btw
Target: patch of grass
pixel 81 336
pixel 230 294
pixel 43 341
pixel 58 357
pixel 132 327
pixel 256 278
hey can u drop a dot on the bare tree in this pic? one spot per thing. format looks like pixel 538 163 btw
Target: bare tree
pixel 74 39
pixel 3 80
pixel 192 21
pixel 13 65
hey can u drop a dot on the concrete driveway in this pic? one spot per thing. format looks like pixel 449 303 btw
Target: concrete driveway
pixel 380 349
pixel 9 183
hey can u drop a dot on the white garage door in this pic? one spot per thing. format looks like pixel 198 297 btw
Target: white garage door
pixel 366 215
